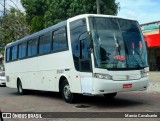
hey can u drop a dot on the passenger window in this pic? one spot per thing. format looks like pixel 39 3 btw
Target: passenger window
pixel 14 53
pixel 44 43
pixel 59 39
pixel 8 54
pixel 62 39
pixel 22 50
pixel 32 47
pixel 55 41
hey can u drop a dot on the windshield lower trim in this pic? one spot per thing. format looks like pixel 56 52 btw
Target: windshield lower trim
pixel 124 69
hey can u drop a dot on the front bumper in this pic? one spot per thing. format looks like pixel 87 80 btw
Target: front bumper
pixel 103 86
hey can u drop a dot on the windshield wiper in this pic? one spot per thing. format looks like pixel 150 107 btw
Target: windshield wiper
pixel 135 60
pixel 118 49
pixel 140 57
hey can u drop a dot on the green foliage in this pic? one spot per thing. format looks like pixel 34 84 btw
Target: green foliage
pixel 44 13
pixel 13 26
pixel 35 11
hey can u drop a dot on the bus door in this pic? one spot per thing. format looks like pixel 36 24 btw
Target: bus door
pixel 81 55
pixel 85 66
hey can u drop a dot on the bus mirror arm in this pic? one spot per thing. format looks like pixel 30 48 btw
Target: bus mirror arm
pixel 91 50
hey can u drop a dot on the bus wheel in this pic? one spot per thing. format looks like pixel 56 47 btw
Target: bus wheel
pixel 67 95
pixel 110 95
pixel 20 88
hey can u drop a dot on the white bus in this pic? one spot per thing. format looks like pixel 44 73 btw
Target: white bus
pixel 88 54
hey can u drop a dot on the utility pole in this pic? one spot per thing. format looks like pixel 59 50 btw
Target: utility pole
pixel 98 6
pixel 4 8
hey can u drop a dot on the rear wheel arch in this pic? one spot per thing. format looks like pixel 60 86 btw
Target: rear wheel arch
pixel 20 89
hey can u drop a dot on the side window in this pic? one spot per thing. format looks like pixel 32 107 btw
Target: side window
pixel 8 54
pixel 44 43
pixel 78 29
pixel 32 47
pixel 22 50
pixel 55 40
pixel 59 39
pixel 62 39
pixel 14 53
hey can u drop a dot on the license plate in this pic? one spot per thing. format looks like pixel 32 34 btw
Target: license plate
pixel 127 85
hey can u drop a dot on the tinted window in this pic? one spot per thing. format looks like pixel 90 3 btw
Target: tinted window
pixel 78 33
pixel 44 43
pixel 14 53
pixel 8 55
pixel 55 40
pixel 62 39
pixel 22 50
pixel 32 47
pixel 59 39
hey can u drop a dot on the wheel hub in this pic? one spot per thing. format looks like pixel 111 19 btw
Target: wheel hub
pixel 67 91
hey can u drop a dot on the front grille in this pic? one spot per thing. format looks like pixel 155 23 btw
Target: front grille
pixel 126 77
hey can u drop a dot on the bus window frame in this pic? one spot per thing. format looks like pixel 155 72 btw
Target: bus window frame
pixel 26 55
pixel 33 39
pixel 59 50
pixel 38 47
pixel 11 54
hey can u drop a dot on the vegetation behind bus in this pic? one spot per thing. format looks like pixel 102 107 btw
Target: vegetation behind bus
pixel 13 26
pixel 43 13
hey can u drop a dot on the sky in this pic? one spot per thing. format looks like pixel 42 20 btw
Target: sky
pixel 9 4
pixel 142 10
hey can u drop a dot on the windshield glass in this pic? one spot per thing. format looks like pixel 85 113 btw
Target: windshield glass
pixel 118 43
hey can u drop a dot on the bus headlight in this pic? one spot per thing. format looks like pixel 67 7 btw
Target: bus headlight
pixel 144 73
pixel 102 76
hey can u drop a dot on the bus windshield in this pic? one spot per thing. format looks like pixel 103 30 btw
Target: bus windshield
pixel 118 43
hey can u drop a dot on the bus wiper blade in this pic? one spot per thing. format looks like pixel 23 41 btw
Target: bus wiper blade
pixel 127 54
pixel 140 57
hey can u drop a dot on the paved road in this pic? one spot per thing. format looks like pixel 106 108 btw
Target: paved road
pixel 147 101
pixel 7 92
pixel 52 102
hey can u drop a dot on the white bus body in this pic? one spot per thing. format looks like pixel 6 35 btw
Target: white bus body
pixel 48 71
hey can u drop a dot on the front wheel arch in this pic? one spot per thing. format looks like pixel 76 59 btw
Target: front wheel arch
pixel 62 78
pixel 67 95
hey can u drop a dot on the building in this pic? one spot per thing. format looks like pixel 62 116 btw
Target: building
pixel 151 32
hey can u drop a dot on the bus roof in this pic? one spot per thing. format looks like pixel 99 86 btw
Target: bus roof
pixel 98 15
pixel 60 25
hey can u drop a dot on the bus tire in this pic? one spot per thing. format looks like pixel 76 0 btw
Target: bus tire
pixel 110 95
pixel 20 89
pixel 67 95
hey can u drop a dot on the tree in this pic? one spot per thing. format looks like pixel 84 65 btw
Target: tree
pixel 59 10
pixel 13 26
pixel 44 13
pixel 35 11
